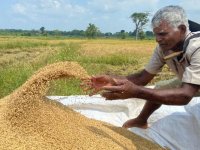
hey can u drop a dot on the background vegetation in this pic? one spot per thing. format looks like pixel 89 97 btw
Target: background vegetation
pixel 22 52
pixel 140 19
pixel 20 57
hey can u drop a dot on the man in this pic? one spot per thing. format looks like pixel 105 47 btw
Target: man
pixel 171 29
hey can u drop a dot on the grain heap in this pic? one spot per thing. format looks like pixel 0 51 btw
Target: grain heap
pixel 30 121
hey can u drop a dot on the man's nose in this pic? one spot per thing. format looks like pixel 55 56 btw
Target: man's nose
pixel 158 38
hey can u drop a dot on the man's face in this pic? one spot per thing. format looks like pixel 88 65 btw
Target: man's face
pixel 167 37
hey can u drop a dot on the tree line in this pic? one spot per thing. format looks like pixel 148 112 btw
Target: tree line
pixel 75 33
pixel 92 31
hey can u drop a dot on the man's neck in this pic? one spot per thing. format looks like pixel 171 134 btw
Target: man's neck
pixel 178 47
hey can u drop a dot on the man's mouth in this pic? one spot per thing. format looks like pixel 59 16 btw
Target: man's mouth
pixel 163 45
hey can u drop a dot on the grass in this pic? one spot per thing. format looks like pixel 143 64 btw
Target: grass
pixel 20 58
pixel 114 60
pixel 21 44
pixel 13 77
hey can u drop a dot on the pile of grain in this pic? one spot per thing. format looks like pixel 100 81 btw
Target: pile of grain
pixel 30 121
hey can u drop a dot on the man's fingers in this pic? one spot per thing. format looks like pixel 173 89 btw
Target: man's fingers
pixel 94 84
pixel 111 95
pixel 112 88
pixel 120 81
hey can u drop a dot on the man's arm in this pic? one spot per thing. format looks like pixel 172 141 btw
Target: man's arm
pixel 141 78
pixel 177 96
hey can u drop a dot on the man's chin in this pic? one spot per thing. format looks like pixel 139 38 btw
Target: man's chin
pixel 166 51
pixel 165 48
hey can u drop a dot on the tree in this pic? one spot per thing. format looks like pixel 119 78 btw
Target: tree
pixel 141 35
pixel 108 34
pixel 140 20
pixel 92 31
pixel 149 33
pixel 42 30
pixel 56 32
pixel 122 34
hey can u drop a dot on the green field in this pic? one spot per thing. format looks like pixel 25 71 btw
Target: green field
pixel 20 57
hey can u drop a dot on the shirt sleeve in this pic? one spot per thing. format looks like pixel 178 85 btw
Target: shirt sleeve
pixel 156 62
pixel 192 72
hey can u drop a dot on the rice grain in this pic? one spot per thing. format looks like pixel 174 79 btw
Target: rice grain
pixel 30 121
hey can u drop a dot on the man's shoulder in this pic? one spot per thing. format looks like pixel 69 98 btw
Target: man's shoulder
pixel 193 45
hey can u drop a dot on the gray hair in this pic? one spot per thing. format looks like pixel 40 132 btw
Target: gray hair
pixel 174 15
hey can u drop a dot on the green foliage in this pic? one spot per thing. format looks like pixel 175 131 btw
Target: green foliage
pixel 141 35
pixel 26 34
pixel 92 31
pixel 149 33
pixel 107 34
pixel 68 34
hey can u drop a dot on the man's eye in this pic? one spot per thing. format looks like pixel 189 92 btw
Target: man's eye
pixel 162 34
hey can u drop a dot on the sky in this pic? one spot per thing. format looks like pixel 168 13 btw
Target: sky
pixel 66 15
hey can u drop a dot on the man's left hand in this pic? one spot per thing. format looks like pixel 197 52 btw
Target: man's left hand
pixel 122 90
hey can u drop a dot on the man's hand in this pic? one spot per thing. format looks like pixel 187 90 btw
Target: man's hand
pixel 95 83
pixel 122 89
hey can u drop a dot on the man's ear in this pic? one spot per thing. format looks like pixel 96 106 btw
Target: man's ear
pixel 182 29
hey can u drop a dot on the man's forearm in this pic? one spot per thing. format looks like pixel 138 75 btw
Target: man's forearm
pixel 140 78
pixel 136 79
pixel 167 97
